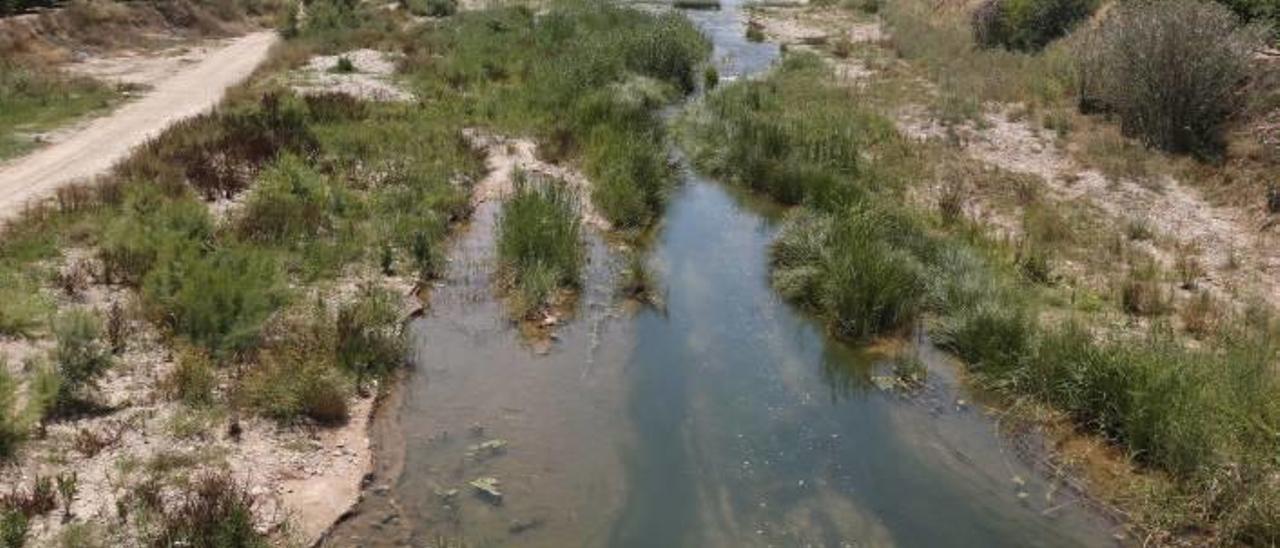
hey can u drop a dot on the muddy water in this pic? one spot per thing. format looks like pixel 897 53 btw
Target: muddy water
pixel 726 419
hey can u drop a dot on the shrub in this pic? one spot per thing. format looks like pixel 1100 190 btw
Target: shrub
pixel 369 342
pixel 1170 70
pixel 218 300
pixel 539 240
pixel 152 228
pixel 291 201
pixel 80 354
pixel 1027 25
pixel 193 379
pixel 214 513
pixel 344 65
pixel 291 383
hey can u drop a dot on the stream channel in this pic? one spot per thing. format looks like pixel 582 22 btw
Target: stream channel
pixel 727 418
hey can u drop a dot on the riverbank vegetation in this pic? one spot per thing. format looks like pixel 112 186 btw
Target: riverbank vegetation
pixel 254 259
pixel 1198 410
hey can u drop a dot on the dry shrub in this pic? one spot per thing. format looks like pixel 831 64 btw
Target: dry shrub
pixel 39 499
pixel 1170 70
pixel 216 512
pixel 220 153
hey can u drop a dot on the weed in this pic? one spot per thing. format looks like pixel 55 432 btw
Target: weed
pixel 13 529
pixel 39 500
pixel 369 342
pixel 755 31
pixel 68 486
pixel 1139 229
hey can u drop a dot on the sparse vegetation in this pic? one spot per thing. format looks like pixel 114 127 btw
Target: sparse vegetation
pixel 34 100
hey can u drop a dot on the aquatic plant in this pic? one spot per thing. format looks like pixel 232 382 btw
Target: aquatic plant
pixel 540 241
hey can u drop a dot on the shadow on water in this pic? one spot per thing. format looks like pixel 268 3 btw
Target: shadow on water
pixel 730 419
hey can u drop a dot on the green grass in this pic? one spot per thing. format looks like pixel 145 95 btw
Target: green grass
pixel 540 242
pixel 34 100
pixel 584 79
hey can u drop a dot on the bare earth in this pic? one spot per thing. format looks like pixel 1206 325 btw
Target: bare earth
pixel 107 140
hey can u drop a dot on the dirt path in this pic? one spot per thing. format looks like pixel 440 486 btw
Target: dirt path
pixel 107 140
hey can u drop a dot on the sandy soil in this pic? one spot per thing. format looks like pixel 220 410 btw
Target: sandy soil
pixel 303 479
pixel 370 80
pixel 105 141
pixel 505 156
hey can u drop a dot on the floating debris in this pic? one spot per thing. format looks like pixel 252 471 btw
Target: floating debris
pixel 487 487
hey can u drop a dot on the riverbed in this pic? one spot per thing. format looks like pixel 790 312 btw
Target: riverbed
pixel 725 417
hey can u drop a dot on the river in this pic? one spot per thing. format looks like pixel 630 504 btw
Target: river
pixel 725 418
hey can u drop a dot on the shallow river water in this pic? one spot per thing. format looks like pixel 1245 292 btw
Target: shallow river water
pixel 727 418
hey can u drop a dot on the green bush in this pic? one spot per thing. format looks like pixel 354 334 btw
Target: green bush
pixel 539 240
pixel 1027 25
pixel 1170 70
pixel 218 300
pixel 24 308
pixel 430 8
pixel 152 228
pixel 82 357
pixel 290 202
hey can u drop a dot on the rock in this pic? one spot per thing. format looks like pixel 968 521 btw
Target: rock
pixel 491 448
pixel 382 490
pixel 487 488
pixel 521 525
pixel 447 495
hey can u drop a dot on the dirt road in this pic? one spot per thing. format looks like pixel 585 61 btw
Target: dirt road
pixel 107 140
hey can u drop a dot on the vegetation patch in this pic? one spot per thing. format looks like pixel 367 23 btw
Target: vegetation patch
pixel 540 243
